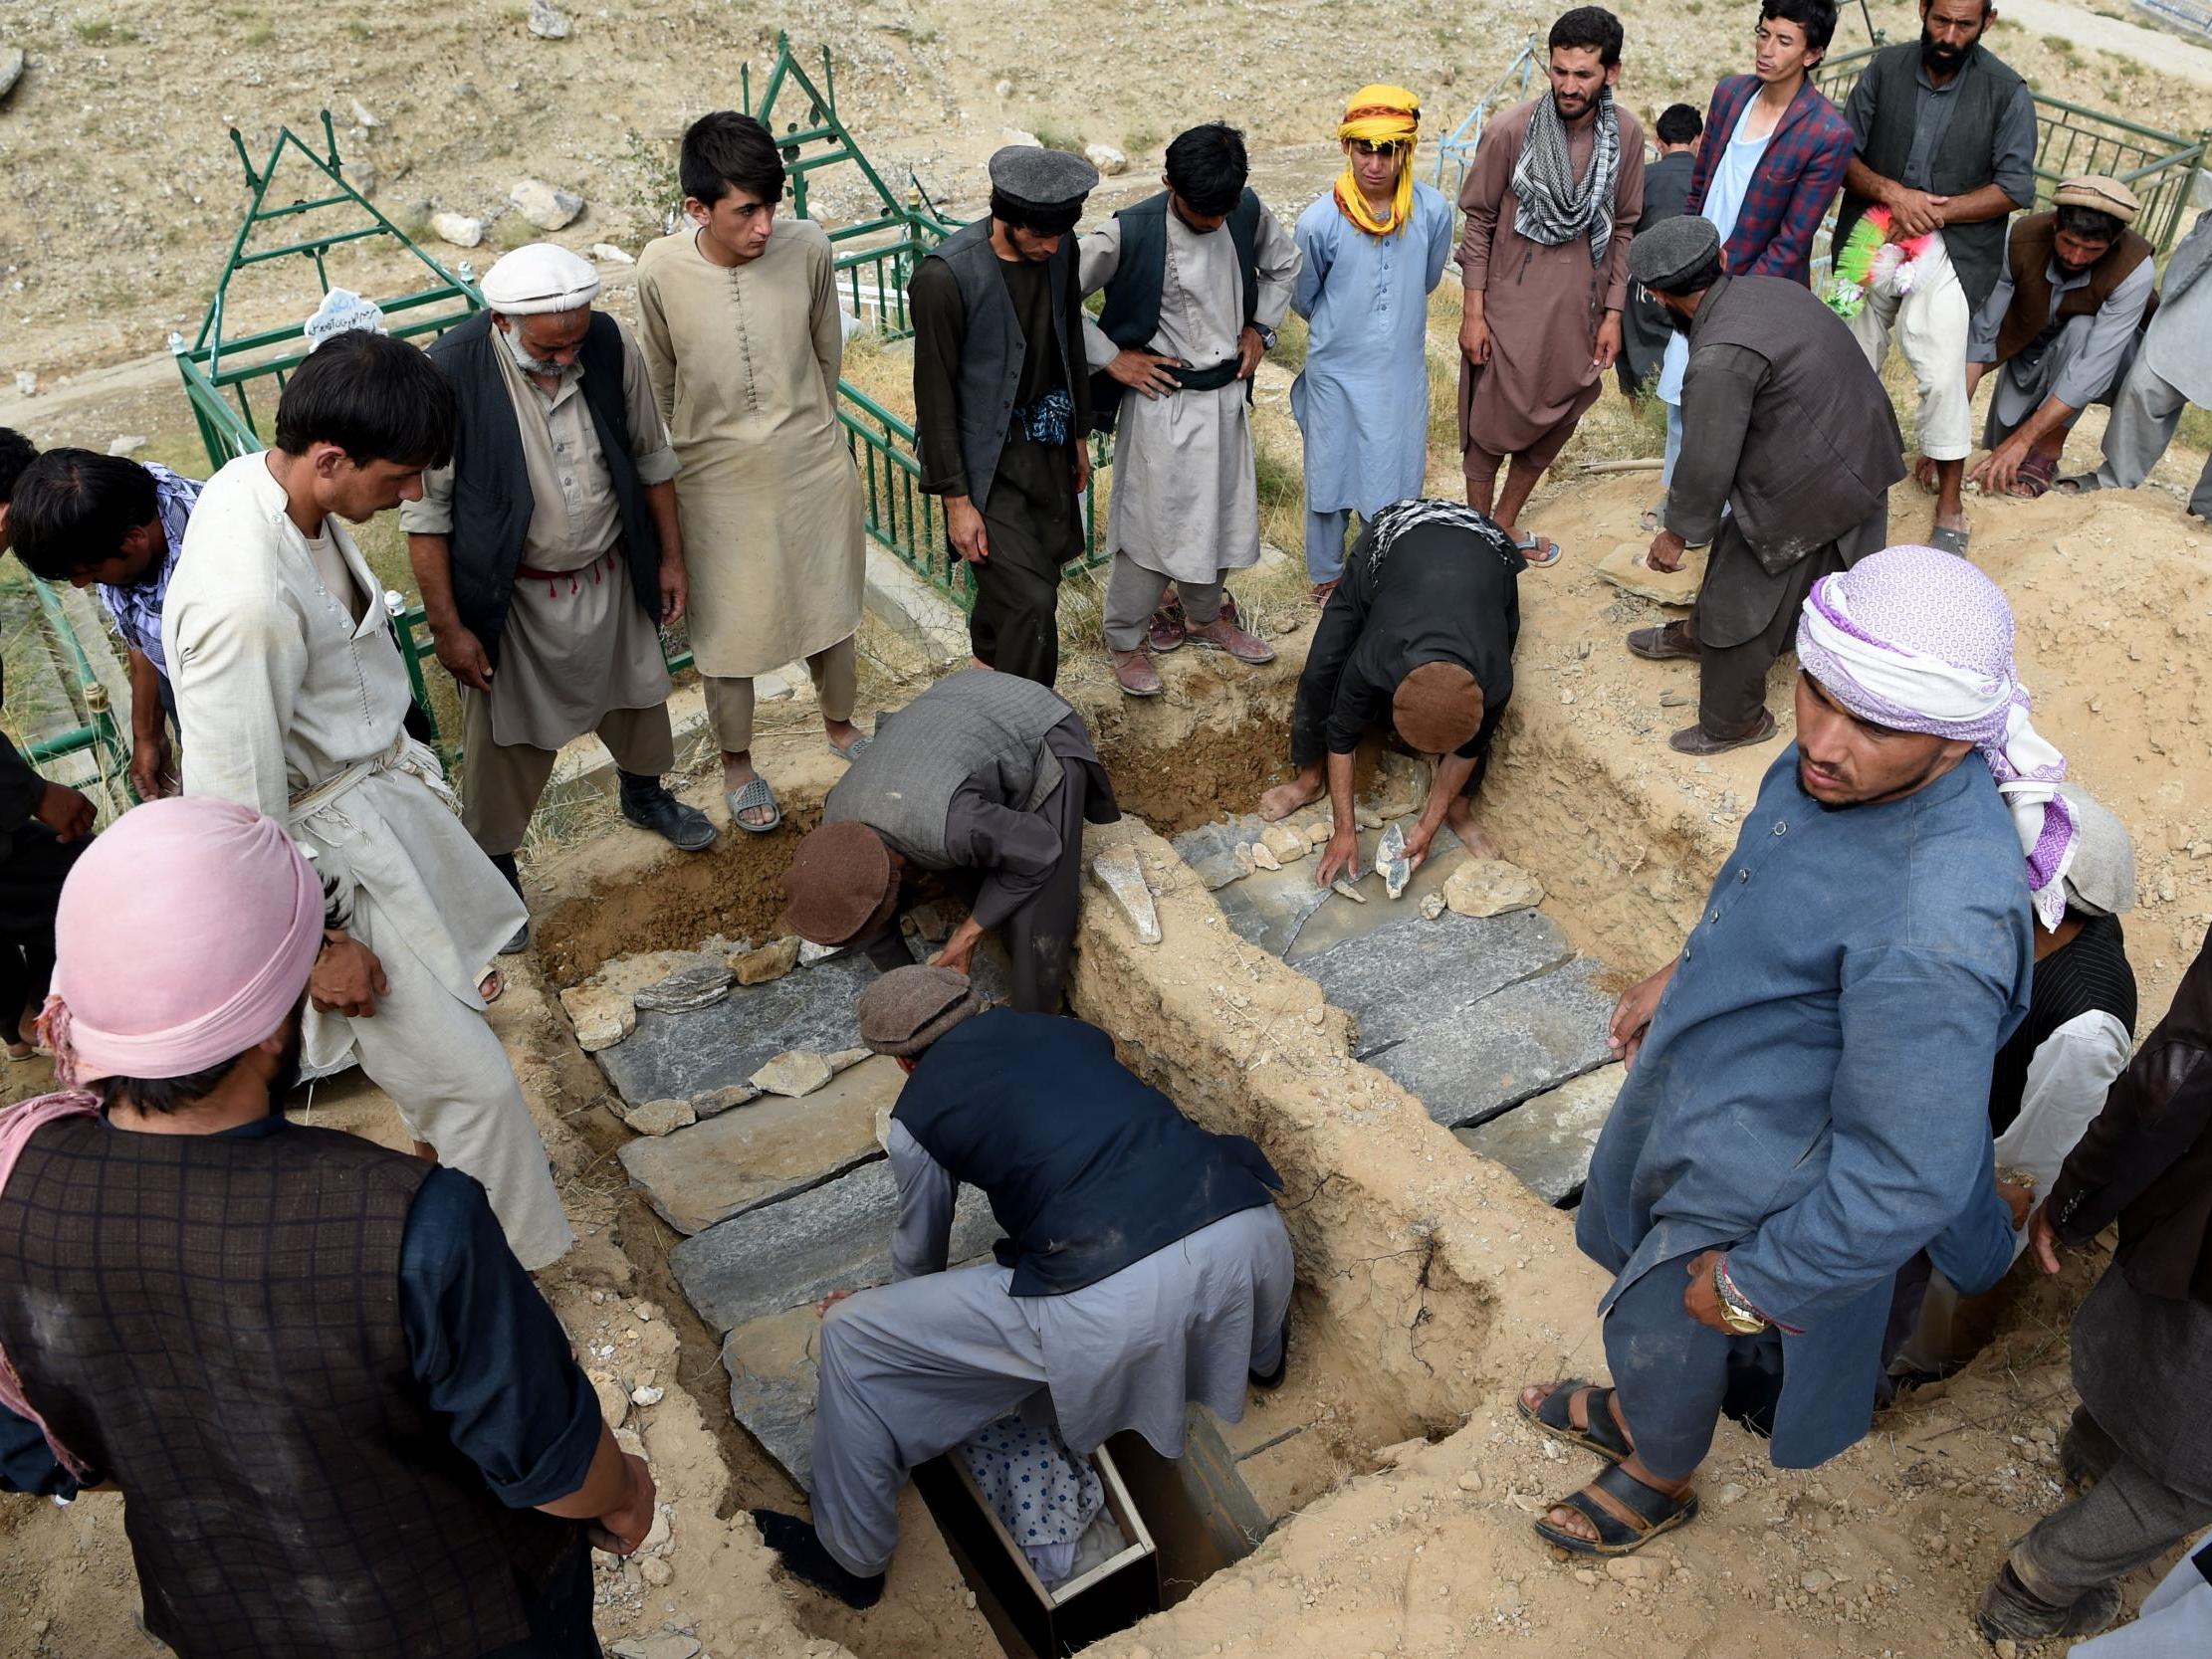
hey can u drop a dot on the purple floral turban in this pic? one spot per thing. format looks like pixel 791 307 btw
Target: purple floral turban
pixel 1921 640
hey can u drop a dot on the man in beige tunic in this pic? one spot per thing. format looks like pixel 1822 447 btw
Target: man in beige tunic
pixel 547 553
pixel 1196 279
pixel 745 338
pixel 1551 201
pixel 288 679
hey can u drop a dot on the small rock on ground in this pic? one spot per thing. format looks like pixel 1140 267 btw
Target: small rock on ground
pixel 545 205
pixel 1491 887
pixel 457 228
pixel 546 21
pixel 659 1117
pixel 1285 843
pixel 796 1072
pixel 770 961
pixel 602 1016
pixel 12 60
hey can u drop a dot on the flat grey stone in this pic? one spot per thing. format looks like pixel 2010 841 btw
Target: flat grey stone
pixel 1332 925
pixel 694 987
pixel 680 1056
pixel 1268 906
pixel 835 1237
pixel 1209 850
pixel 1531 1037
pixel 1547 1141
pixel 1410 972
pixel 773 1363
pixel 740 1160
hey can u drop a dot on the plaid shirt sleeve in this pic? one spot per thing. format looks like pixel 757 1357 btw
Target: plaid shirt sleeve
pixel 1791 193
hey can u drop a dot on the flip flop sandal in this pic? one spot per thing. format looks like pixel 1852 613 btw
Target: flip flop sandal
pixel 1627 1514
pixel 1950 541
pixel 1527 547
pixel 492 986
pixel 2034 480
pixel 1603 1436
pixel 1649 523
pixel 851 751
pixel 754 792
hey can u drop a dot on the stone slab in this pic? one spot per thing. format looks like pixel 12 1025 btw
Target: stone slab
pixel 1332 925
pixel 1547 1141
pixel 680 1055
pixel 834 1237
pixel 773 1363
pixel 1626 569
pixel 1209 850
pixel 765 1152
pixel 1410 972
pixel 1531 1037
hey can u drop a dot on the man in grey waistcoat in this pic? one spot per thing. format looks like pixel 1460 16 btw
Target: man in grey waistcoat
pixel 1789 449
pixel 1946 144
pixel 1001 405
pixel 985 778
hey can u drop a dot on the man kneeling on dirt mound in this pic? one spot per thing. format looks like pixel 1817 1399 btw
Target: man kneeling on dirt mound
pixel 1807 1105
pixel 985 777
pixel 1145 1266
pixel 1418 638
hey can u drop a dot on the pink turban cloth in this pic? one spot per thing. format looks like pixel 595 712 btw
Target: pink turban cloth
pixel 184 937
pixel 1921 641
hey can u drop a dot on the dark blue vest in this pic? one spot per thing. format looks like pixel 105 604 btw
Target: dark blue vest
pixel 1087 1168
pixel 492 502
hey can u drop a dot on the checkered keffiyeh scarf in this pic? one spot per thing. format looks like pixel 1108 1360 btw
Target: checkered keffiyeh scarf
pixel 1920 641
pixel 1396 520
pixel 1555 207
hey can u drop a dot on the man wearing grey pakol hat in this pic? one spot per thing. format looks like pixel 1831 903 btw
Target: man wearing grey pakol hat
pixel 1144 1267
pixel 1001 403
pixel 549 554
pixel 2057 329
pixel 2050 1077
pixel 1789 450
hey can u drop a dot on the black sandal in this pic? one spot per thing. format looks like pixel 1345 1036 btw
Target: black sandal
pixel 1627 1514
pixel 1603 1436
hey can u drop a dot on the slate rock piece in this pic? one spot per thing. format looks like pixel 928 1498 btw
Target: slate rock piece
pixel 1547 1141
pixel 1391 860
pixel 715 1101
pixel 680 993
pixel 770 961
pixel 1410 972
pixel 773 1363
pixel 1491 887
pixel 1332 925
pixel 835 1237
pixel 686 1055
pixel 602 1016
pixel 1117 871
pixel 741 1161
pixel 657 1118
pixel 794 1073
pixel 1210 850
pixel 1518 1043
pixel 1268 906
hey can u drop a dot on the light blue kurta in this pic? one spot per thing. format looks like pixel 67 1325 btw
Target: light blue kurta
pixel 1363 398
pixel 1814 1091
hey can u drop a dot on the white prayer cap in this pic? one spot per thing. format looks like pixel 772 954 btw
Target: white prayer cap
pixel 544 277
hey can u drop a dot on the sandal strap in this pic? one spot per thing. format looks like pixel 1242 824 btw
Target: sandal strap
pixel 1634 1503
pixel 754 793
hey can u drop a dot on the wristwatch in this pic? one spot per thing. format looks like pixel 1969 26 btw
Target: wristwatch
pixel 1266 336
pixel 1735 1312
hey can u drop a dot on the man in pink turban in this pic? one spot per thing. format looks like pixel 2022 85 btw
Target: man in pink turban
pixel 200 1301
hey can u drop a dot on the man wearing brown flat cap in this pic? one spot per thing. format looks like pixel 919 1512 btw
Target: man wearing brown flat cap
pixel 985 778
pixel 2058 329
pixel 1418 639
pixel 1144 1267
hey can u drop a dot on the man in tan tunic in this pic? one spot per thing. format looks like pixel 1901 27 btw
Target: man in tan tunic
pixel 745 338
pixel 547 572
pixel 1553 197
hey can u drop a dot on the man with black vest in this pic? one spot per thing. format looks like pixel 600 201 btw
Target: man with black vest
pixel 1145 1266
pixel 1789 449
pixel 2059 328
pixel 1947 145
pixel 342 1418
pixel 1196 279
pixel 549 554
pixel 1001 406
pixel 987 778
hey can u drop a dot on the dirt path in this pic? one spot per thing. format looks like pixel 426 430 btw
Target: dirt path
pixel 2165 51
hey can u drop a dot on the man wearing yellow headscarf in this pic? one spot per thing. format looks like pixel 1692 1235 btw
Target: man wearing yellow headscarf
pixel 1373 251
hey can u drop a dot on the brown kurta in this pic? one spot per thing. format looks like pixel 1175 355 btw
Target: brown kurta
pixel 1543 305
pixel 745 364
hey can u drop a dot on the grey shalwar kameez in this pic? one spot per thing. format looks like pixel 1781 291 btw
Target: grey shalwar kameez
pixel 2082 365
pixel 2172 371
pixel 913 1368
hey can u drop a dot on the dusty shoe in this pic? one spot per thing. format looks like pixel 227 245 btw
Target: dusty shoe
pixel 684 828
pixel 1166 630
pixel 1134 672
pixel 1222 634
pixel 1673 640
pixel 2010 1611
pixel 1695 739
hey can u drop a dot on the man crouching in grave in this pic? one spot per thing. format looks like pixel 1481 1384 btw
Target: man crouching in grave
pixel 985 778
pixel 1418 638
pixel 1145 1266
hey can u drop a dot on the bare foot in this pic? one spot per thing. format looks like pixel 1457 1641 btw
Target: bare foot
pixel 736 772
pixel 1285 798
pixel 1458 817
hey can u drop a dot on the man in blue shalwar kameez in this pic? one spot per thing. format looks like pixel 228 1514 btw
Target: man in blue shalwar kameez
pixel 1363 399
pixel 1807 1101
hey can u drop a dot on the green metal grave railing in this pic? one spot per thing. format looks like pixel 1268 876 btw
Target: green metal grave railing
pixel 2160 167
pixel 1455 149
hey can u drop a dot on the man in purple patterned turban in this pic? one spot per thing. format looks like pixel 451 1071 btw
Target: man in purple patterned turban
pixel 1807 1105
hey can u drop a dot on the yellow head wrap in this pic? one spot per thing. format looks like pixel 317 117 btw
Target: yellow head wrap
pixel 1378 115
